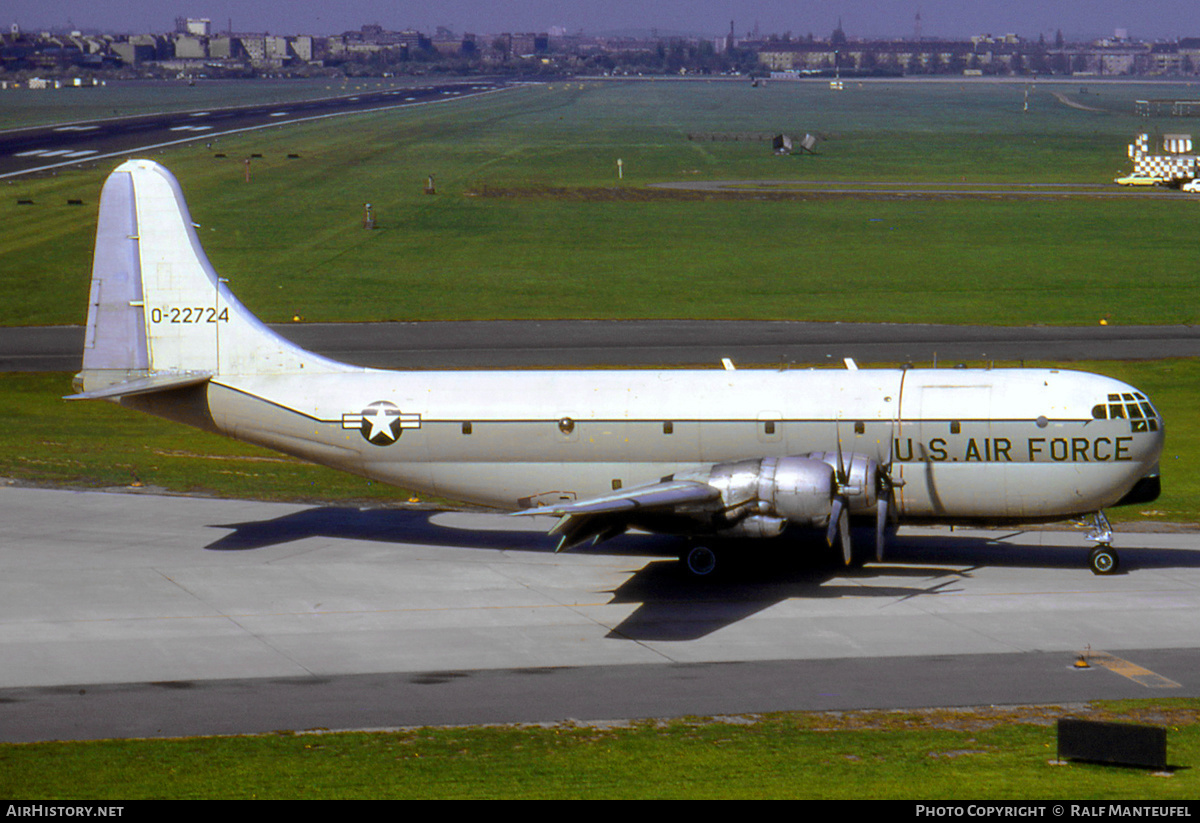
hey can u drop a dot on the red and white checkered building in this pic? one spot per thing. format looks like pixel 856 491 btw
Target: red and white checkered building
pixel 1175 164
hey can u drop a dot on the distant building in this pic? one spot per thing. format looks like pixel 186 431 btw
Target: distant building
pixel 197 27
pixel 226 48
pixel 191 48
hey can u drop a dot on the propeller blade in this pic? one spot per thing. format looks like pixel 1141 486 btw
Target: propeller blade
pixel 881 517
pixel 835 516
pixel 844 524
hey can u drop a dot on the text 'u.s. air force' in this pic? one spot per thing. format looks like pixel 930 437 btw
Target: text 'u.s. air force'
pixel 1021 450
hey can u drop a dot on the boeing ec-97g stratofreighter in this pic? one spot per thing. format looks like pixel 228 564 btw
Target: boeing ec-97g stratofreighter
pixel 708 453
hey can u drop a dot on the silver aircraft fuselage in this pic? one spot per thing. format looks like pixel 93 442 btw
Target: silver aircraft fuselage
pixel 724 452
pixel 968 444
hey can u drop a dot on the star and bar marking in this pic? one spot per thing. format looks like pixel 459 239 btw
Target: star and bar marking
pixel 381 422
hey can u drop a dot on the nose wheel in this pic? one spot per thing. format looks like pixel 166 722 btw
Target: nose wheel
pixel 1103 559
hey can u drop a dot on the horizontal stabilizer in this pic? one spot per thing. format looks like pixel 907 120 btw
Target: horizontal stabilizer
pixel 144 385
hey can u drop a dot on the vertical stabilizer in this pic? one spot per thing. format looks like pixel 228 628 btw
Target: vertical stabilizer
pixel 157 310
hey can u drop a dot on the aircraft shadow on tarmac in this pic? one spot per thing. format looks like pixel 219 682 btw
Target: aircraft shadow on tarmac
pixel 757 574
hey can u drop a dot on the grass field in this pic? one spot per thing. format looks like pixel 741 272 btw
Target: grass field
pixel 576 242
pixel 992 754
pixel 531 222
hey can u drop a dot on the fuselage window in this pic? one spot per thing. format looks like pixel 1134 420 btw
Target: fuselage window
pixel 466 428
pixel 955 427
pixel 768 427
pixel 668 427
pixel 859 427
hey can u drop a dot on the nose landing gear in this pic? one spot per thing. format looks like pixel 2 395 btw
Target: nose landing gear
pixel 1104 558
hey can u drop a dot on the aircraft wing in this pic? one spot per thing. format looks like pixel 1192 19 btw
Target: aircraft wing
pixel 606 516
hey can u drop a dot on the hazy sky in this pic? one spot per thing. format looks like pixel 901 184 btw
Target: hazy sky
pixel 1078 19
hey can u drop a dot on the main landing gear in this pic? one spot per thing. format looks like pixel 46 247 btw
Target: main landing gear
pixel 1103 559
pixel 699 560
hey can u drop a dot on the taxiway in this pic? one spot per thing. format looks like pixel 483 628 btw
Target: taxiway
pixel 494 344
pixel 128 615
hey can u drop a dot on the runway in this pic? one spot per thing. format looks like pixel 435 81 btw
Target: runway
pixel 42 148
pixel 141 615
pixel 534 343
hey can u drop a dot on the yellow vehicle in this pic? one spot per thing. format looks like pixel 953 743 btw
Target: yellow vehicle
pixel 1139 180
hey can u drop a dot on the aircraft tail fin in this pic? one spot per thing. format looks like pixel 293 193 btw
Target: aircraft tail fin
pixel 158 314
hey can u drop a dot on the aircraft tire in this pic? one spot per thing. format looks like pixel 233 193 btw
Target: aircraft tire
pixel 700 561
pixel 1103 560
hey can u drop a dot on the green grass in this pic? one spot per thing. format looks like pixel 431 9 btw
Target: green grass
pixel 291 242
pixel 936 755
pixel 576 243
pixel 50 441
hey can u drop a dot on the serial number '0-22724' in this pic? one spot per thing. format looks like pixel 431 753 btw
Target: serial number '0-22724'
pixel 189 314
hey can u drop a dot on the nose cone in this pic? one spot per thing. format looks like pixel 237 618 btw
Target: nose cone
pixel 1148 433
pixel 1145 490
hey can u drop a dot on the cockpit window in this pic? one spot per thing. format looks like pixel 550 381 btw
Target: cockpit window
pixel 1128 406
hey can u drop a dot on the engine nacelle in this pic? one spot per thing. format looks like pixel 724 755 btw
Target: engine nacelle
pixel 756 525
pixel 861 487
pixel 760 497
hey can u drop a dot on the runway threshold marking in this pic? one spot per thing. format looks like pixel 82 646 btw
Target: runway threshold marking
pixel 1134 672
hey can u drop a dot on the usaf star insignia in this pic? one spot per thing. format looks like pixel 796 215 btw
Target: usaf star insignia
pixel 381 422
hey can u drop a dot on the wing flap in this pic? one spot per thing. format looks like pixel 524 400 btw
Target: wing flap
pixel 604 517
pixel 665 494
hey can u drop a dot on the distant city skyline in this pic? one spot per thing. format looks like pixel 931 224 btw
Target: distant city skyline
pixel 947 19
